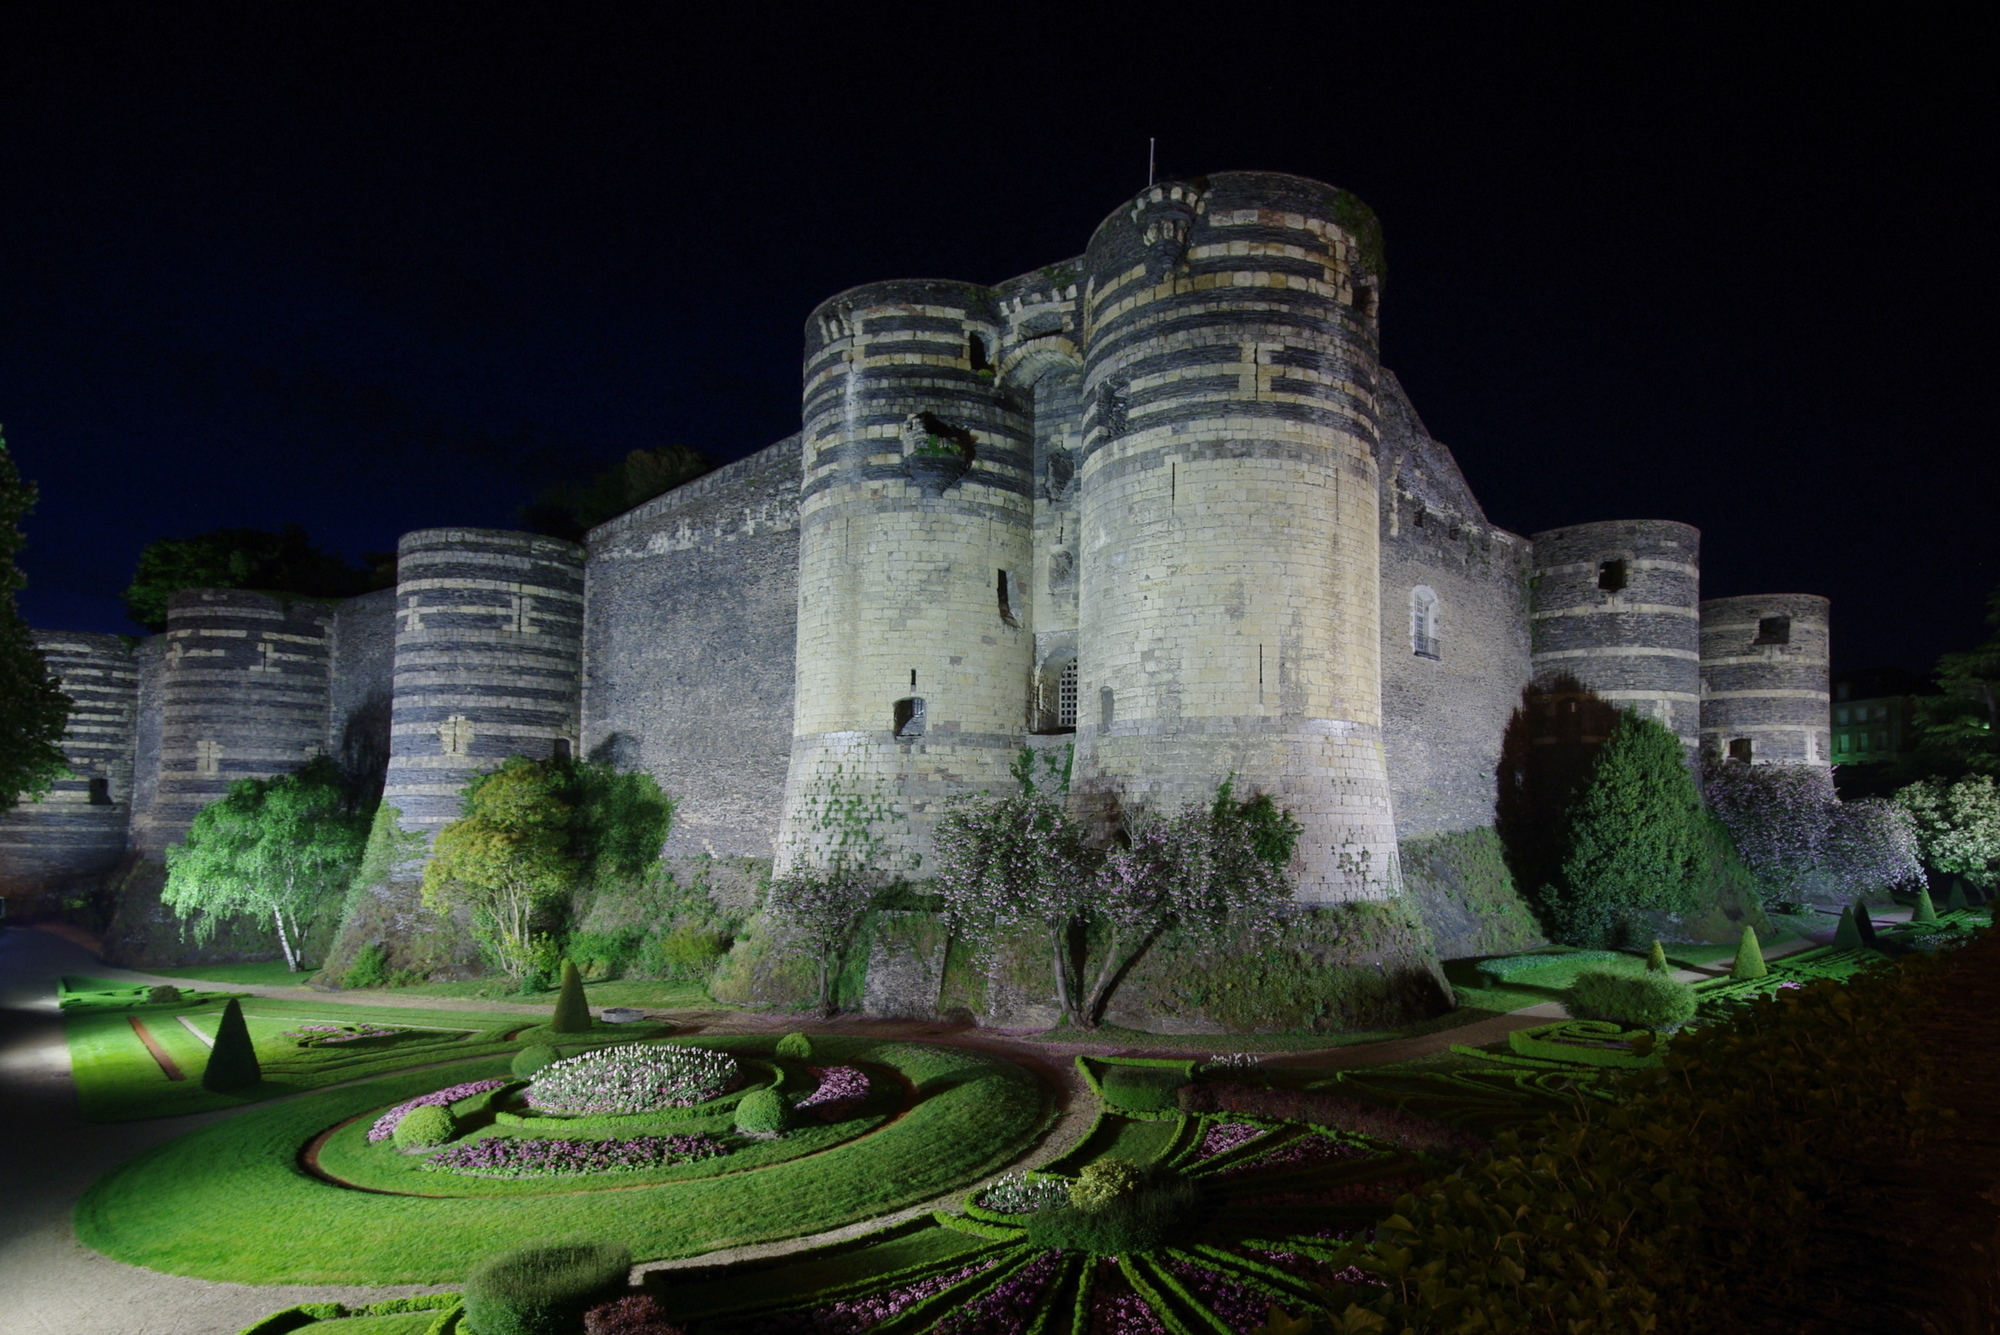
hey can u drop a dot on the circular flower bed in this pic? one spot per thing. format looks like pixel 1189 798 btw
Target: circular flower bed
pixel 633 1078
pixel 506 1156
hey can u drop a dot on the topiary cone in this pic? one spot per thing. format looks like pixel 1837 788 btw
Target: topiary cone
pixel 1656 959
pixel 572 1011
pixel 1956 900
pixel 232 1062
pixel 1749 957
pixel 1847 936
pixel 1864 924
pixel 1925 911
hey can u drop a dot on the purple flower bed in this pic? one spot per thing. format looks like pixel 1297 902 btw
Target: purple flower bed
pixel 507 1156
pixel 385 1125
pixel 1310 1151
pixel 1383 1192
pixel 841 1090
pixel 1313 1269
pixel 1010 1308
pixel 1241 1308
pixel 318 1035
pixel 1123 1314
pixel 1225 1136
pixel 850 1316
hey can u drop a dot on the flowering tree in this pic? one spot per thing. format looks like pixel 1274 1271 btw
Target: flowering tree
pixel 1780 817
pixel 817 914
pixel 1957 825
pixel 1872 844
pixel 277 848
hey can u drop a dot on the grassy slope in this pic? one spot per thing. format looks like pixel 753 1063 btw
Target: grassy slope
pixel 230 1202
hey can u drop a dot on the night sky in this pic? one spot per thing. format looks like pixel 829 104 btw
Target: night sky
pixel 371 269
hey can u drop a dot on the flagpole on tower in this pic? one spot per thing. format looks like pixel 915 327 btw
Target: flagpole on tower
pixel 1150 144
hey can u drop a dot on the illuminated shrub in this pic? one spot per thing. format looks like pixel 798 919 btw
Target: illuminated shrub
pixel 761 1113
pixel 1637 1000
pixel 533 1058
pixel 796 1046
pixel 425 1128
pixel 542 1290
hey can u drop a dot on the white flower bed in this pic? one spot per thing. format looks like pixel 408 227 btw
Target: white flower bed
pixel 633 1078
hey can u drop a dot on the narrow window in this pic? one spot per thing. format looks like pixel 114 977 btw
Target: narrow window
pixel 1840 743
pixel 100 792
pixel 1066 696
pixel 975 352
pixel 910 717
pixel 1104 709
pixel 1611 575
pixel 1006 600
pixel 1739 749
pixel 1773 630
pixel 1423 622
pixel 560 751
pixel 1840 716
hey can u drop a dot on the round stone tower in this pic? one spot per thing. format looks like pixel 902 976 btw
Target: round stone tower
pixel 915 647
pixel 1764 679
pixel 78 828
pixel 489 662
pixel 1229 570
pixel 1614 609
pixel 243 695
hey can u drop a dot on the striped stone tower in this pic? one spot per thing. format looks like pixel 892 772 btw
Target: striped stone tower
pixel 78 828
pixel 1615 609
pixel 488 662
pixel 1230 573
pixel 1764 689
pixel 243 695
pixel 915 551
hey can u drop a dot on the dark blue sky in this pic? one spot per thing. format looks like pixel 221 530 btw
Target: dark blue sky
pixel 373 268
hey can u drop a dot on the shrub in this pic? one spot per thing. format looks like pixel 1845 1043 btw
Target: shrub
pixel 1847 936
pixel 1149 1215
pixel 1925 910
pixel 690 953
pixel 1956 901
pixel 796 1046
pixel 1633 838
pixel 542 1290
pixel 1656 958
pixel 425 1128
pixel 572 1010
pixel 370 967
pixel 1104 1181
pixel 232 1062
pixel 532 1059
pixel 1749 957
pixel 761 1112
pixel 634 1314
pixel 1640 1000
pixel 163 994
pixel 1141 1088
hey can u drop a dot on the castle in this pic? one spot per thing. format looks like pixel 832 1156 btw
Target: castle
pixel 1159 502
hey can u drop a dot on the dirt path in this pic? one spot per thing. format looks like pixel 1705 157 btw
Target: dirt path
pixel 51 1285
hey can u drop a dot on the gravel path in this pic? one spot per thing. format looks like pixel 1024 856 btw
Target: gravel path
pixel 52 1285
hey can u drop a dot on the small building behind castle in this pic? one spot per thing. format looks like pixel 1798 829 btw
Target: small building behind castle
pixel 1159 502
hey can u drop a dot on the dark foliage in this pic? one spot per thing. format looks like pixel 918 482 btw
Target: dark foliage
pixel 33 708
pixel 570 511
pixel 1159 1212
pixel 232 1062
pixel 241 558
pixel 1336 1112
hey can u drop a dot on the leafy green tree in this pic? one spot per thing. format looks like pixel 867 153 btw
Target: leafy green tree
pixel 1959 730
pixel 533 833
pixel 817 913
pixel 240 558
pixel 1958 826
pixel 33 708
pixel 232 1062
pixel 274 848
pixel 569 511
pixel 1633 838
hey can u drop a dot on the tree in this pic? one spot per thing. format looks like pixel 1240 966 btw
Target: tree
pixel 534 832
pixel 1633 837
pixel 33 708
pixel 1778 816
pixel 1957 826
pixel 1872 845
pixel 1959 730
pixel 241 558
pixel 570 511
pixel 817 913
pixel 232 1062
pixel 277 848
pixel 509 860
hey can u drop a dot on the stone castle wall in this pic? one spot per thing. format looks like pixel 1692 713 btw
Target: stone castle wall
pixel 77 829
pixel 1764 683
pixel 690 618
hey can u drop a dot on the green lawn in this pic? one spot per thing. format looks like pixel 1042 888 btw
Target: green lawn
pixel 231 1202
pixel 270 974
